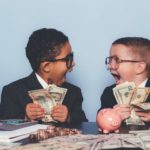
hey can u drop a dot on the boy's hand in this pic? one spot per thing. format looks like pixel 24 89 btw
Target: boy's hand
pixel 123 109
pixel 60 113
pixel 34 111
pixel 144 115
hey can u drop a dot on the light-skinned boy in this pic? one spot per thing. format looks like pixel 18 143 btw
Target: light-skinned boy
pixel 129 60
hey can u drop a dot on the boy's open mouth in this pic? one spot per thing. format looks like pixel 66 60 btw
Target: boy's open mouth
pixel 117 77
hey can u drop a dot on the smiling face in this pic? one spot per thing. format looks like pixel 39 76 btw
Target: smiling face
pixel 59 68
pixel 55 72
pixel 125 71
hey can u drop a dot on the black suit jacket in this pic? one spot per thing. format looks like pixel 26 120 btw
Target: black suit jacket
pixel 108 99
pixel 15 97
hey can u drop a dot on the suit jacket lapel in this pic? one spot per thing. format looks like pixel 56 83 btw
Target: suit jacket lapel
pixel 148 83
pixel 32 83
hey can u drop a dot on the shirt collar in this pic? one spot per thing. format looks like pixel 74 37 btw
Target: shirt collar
pixel 41 81
pixel 143 84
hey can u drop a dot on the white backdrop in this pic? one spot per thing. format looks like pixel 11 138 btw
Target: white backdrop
pixel 91 25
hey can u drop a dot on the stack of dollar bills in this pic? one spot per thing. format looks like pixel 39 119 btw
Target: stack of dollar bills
pixel 128 93
pixel 48 98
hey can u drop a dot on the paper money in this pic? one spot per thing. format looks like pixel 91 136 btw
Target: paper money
pixel 128 93
pixel 141 140
pixel 48 98
pixel 145 140
pixel 6 146
pixel 57 93
pixel 96 142
pixel 142 106
pixel 52 145
pixel 92 142
pixel 134 119
pixel 140 131
pixel 131 141
pixel 43 97
pixel 140 95
pixel 123 92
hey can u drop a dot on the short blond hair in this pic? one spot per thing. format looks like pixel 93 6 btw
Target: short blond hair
pixel 139 46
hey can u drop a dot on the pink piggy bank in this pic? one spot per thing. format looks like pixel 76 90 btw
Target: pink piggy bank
pixel 108 120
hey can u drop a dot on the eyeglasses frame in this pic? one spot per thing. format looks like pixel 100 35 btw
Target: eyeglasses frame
pixel 68 58
pixel 120 60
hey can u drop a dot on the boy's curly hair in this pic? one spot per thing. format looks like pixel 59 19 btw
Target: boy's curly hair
pixel 44 44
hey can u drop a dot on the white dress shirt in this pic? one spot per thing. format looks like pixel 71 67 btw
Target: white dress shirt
pixel 143 84
pixel 42 82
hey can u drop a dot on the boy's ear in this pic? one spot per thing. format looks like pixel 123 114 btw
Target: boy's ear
pixel 141 67
pixel 46 66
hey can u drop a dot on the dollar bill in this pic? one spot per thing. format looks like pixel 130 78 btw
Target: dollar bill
pixel 116 94
pixel 141 140
pixel 145 140
pixel 113 141
pixel 92 142
pixel 48 98
pixel 8 146
pixel 57 93
pixel 96 142
pixel 131 141
pixel 140 131
pixel 140 95
pixel 142 106
pixel 134 119
pixel 43 97
pixel 124 92
pixel 128 93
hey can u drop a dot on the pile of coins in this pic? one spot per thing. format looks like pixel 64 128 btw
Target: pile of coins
pixel 52 131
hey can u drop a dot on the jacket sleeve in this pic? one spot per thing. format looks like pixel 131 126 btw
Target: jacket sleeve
pixel 76 113
pixel 107 99
pixel 10 105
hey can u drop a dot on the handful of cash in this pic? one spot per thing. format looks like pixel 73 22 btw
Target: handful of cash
pixel 128 93
pixel 48 98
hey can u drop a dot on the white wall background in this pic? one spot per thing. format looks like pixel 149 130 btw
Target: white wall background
pixel 91 25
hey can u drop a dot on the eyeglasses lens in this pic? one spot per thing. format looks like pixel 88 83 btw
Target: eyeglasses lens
pixel 69 60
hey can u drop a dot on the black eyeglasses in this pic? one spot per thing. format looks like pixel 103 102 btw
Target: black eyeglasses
pixel 116 60
pixel 68 59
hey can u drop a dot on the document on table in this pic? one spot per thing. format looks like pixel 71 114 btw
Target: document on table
pixel 13 124
pixel 15 135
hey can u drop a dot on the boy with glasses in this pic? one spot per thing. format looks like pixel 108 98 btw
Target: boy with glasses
pixel 129 60
pixel 50 55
